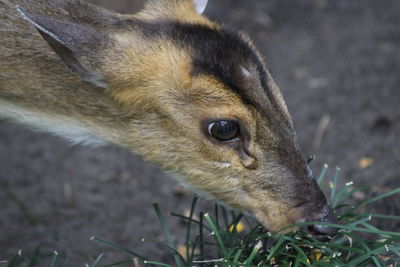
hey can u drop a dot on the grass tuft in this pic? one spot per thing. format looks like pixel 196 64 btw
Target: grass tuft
pixel 214 240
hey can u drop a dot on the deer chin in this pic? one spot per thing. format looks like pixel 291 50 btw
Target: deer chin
pixel 279 220
pixel 273 215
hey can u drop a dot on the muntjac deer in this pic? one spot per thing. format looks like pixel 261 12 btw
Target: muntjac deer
pixel 167 83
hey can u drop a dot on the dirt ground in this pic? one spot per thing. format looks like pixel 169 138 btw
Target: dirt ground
pixel 337 64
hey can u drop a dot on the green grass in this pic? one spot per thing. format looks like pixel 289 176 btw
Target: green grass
pixel 213 239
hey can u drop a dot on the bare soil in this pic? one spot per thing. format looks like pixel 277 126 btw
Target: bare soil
pixel 337 64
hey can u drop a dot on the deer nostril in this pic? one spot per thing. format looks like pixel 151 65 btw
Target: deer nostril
pixel 327 216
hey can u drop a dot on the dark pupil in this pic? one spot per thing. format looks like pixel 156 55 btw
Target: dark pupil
pixel 225 130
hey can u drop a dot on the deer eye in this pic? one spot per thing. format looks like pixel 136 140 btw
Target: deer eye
pixel 224 130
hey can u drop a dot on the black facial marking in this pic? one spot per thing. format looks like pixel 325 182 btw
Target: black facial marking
pixel 219 53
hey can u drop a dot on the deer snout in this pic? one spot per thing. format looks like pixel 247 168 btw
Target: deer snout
pixel 325 216
pixel 318 211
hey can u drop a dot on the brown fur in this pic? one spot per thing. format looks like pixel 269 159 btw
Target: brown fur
pixel 154 106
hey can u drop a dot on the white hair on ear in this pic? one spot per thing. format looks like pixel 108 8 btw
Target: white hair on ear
pixel 25 17
pixel 200 5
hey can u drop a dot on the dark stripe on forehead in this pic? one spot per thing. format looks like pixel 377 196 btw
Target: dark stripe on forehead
pixel 219 53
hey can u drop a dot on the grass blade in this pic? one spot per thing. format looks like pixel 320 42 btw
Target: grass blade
pixel 125 263
pixel 167 234
pixel 64 262
pixel 335 184
pixel 225 216
pixel 322 175
pixel 15 260
pixel 237 256
pixel 34 257
pixel 98 259
pixel 374 199
pixel 54 259
pixel 188 227
pixel 117 247
pixel 173 250
pixel 253 253
pixel 384 216
pixel 216 215
pixel 275 248
pixel 158 263
pixel 217 234
pixel 22 206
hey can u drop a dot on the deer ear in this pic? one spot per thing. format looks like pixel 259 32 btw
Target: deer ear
pixel 200 5
pixel 74 43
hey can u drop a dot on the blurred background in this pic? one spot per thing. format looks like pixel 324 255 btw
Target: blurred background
pixel 338 66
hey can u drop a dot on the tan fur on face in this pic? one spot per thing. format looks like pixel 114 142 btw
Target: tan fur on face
pixel 177 10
